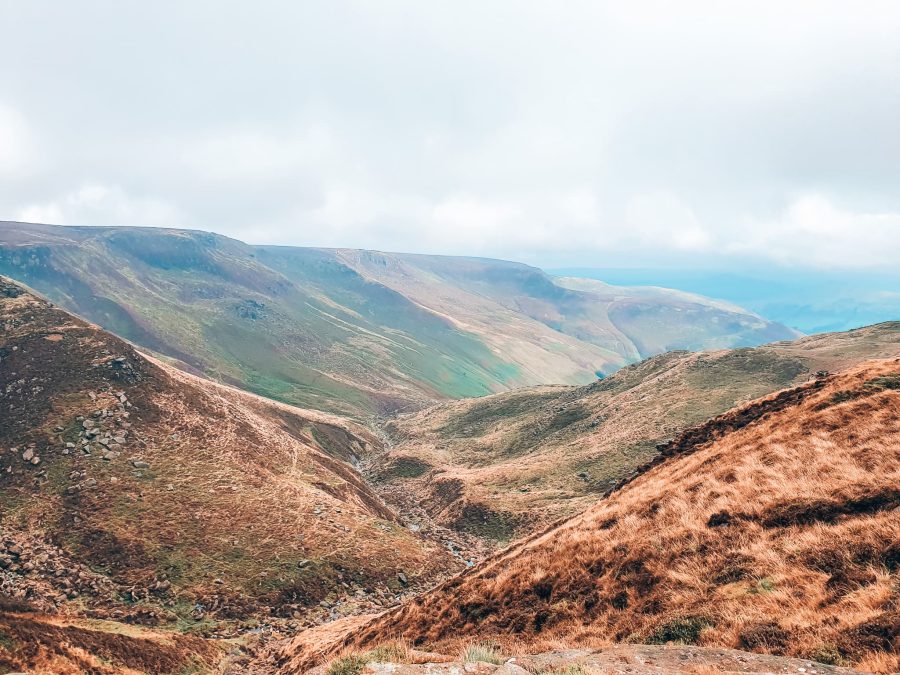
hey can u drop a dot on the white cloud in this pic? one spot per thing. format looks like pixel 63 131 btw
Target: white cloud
pixel 237 157
pixel 468 217
pixel 813 231
pixel 19 155
pixel 574 133
pixel 661 219
pixel 42 213
pixel 96 204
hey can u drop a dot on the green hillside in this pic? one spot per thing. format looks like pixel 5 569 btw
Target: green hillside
pixel 357 332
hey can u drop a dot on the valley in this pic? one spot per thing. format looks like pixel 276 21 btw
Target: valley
pixel 363 334
pixel 155 520
pixel 449 338
pixel 503 465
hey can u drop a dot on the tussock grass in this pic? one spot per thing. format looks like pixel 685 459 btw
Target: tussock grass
pixel 683 630
pixel 354 662
pixel 348 665
pixel 479 652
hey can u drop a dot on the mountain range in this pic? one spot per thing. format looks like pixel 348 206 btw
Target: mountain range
pixel 355 332
pixel 811 300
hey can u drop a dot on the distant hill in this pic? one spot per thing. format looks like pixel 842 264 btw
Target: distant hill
pixel 772 528
pixel 809 300
pixel 358 332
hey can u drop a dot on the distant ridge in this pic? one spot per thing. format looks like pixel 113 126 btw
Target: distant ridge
pixel 359 332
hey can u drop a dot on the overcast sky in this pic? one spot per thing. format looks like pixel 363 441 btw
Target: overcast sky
pixel 557 133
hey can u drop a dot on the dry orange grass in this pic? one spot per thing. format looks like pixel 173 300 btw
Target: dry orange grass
pixel 775 528
pixel 51 645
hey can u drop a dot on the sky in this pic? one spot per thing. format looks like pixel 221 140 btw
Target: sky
pixel 692 134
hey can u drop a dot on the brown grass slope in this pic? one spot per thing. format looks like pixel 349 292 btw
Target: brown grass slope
pixel 53 645
pixel 133 491
pixel 771 528
pixel 502 465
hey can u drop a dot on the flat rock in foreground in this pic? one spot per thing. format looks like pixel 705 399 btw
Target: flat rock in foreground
pixel 635 659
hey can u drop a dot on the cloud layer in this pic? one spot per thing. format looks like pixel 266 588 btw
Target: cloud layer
pixel 578 133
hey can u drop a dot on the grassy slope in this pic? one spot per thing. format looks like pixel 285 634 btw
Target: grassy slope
pixel 512 307
pixel 244 506
pixel 422 345
pixel 37 643
pixel 772 528
pixel 337 343
pixel 501 465
pixel 593 325
pixel 354 332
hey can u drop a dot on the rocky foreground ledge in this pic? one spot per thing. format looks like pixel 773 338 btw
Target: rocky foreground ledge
pixel 634 659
